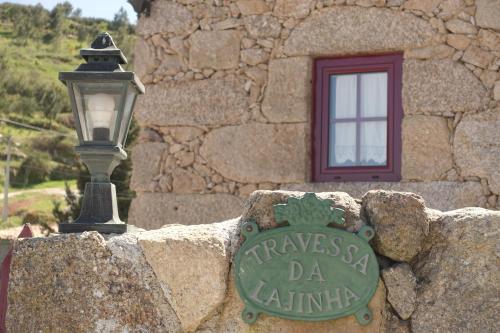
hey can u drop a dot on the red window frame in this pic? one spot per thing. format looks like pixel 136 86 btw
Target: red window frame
pixel 324 67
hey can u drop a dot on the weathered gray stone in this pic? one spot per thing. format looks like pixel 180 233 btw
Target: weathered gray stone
pixel 488 14
pixel 332 31
pixel 259 207
pixel 185 133
pixel 496 91
pixel 144 60
pixel 214 49
pixel 478 57
pixel 477 147
pixel 440 51
pixel 400 222
pixel 254 56
pixel 192 263
pixel 257 153
pixel 461 27
pixel 166 16
pixel 153 210
pixel 295 8
pixel 262 26
pixel 146 159
pixel 460 42
pixel 185 181
pixel 193 103
pixel 85 283
pixel 426 148
pixel 288 92
pixel 438 195
pixel 252 7
pixel 426 6
pixel 401 287
pixel 489 39
pixel 438 86
pixel 395 325
pixel 170 66
pixel 458 274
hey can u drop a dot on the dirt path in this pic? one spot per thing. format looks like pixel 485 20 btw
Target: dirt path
pixel 48 191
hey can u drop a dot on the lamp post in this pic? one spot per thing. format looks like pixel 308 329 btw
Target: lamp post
pixel 102 98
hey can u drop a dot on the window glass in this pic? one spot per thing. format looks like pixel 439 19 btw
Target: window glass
pixel 343 96
pixel 373 95
pixel 358 124
pixel 343 147
pixel 373 147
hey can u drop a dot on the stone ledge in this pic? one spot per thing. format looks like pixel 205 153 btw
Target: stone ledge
pixel 438 194
pixel 178 278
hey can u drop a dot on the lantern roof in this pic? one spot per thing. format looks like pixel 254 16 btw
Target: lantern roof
pixel 103 60
pixel 103 45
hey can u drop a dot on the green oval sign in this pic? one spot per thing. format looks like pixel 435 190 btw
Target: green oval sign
pixel 306 271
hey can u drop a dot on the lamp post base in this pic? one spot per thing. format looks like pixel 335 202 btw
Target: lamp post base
pixel 99 212
pixel 103 228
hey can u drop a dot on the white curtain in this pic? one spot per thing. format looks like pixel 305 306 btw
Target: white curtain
pixel 373 134
pixel 373 145
pixel 374 95
pixel 343 147
pixel 343 87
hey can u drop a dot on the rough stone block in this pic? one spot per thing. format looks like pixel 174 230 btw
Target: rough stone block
pixel 166 16
pixel 401 287
pixel 259 207
pixel 252 7
pixel 438 195
pixel 332 31
pixel 288 94
pixel 214 49
pixel 426 6
pixel 257 153
pixel 458 289
pixel 262 26
pixel 295 8
pixel 144 60
pixel 438 86
pixel 477 147
pixel 85 283
pixel 153 210
pixel 488 14
pixel 146 159
pixel 193 103
pixel 400 221
pixel 460 27
pixel 192 263
pixel 478 57
pixel 426 148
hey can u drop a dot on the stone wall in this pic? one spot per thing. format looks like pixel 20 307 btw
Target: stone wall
pixel 228 103
pixel 438 274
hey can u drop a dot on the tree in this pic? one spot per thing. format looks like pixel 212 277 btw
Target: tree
pixel 120 20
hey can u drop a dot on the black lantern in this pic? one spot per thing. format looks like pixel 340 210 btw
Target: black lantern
pixel 102 97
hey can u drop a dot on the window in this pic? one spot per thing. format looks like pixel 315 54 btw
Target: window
pixel 357 118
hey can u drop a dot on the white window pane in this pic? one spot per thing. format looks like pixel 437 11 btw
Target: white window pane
pixel 343 96
pixel 342 144
pixel 373 145
pixel 374 95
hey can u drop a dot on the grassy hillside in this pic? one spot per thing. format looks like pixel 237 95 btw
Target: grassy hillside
pixel 35 45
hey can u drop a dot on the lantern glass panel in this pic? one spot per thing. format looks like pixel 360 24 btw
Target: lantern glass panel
pixel 98 105
pixel 128 106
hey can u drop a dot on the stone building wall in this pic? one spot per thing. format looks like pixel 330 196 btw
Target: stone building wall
pixel 228 104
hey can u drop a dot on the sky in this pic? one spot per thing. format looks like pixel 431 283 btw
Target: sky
pixel 90 8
